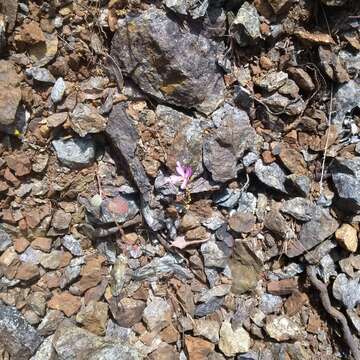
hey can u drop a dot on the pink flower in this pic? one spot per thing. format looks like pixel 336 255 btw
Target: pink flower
pixel 184 176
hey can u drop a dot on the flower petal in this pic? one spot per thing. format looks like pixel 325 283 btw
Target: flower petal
pixel 180 169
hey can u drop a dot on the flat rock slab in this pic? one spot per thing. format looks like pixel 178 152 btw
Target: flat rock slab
pixel 19 338
pixel 168 63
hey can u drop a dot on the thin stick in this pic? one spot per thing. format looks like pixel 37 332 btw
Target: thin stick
pixel 327 139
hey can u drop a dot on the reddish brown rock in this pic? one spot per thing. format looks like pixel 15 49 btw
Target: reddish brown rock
pixel 170 335
pixel 197 348
pixel 295 302
pixel 27 272
pixel 282 287
pixel 94 317
pixel 65 302
pixel 293 160
pixel 42 243
pixel 30 34
pixel 242 222
pixel 21 244
pixel 20 164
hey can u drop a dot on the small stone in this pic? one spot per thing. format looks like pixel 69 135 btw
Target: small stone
pixel 70 274
pixel 290 88
pixel 271 175
pixel 41 75
pixel 75 153
pixel 127 312
pixel 42 243
pixel 213 254
pixel 346 236
pixel 293 160
pixel 94 317
pixel 197 348
pixel 270 303
pixel 246 25
pixel 65 302
pixel 347 291
pixel 299 208
pixel 295 302
pixel 50 322
pixel 27 272
pixel 5 240
pixel 56 119
pixel 37 303
pixel 189 221
pixel 85 119
pixel 198 233
pixel 157 314
pixel 30 34
pixel 233 341
pixel 21 244
pixel 302 79
pixel 170 335
pixel 272 81
pixel 31 317
pixel 281 328
pixel 208 329
pixel 72 244
pixel 282 287
pixel 242 222
pixel 20 164
pixel 314 37
pixel 58 91
pixel 61 220
pixel 55 260
pixel 19 338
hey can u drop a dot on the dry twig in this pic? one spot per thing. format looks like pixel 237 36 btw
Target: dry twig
pixel 336 314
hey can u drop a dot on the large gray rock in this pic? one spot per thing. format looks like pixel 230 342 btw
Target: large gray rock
pixel 168 63
pixel 346 178
pixel 75 153
pixel 19 338
pixel 73 343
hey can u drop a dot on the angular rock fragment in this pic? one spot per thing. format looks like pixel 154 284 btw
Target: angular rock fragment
pixel 271 175
pixel 345 100
pixel 272 81
pixel 233 137
pixel 75 153
pixel 85 119
pixel 246 25
pixel 233 341
pixel 194 8
pixel 346 236
pixel 19 338
pixel 72 342
pixel 165 61
pixel 10 94
pixel 41 75
pixel 5 240
pixel 282 328
pixel 58 90
pixel 346 178
pixel 124 137
pixel 321 226
pixel 346 290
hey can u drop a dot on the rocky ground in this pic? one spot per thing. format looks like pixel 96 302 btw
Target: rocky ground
pixel 179 179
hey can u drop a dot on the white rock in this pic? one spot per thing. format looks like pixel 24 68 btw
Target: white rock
pixel 232 341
